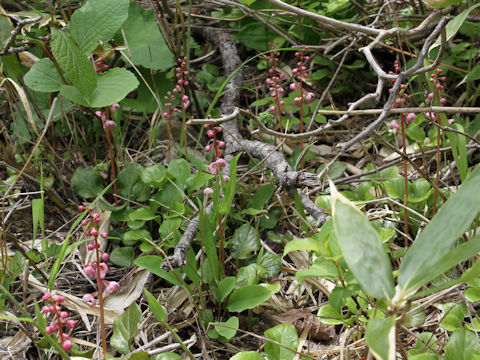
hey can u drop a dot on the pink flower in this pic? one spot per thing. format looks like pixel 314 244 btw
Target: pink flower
pixel 208 148
pixel 221 162
pixel 105 256
pixel 89 298
pixel 451 121
pixel 103 270
pixel 410 117
pixel 394 126
pixel 64 314
pixel 81 208
pixel 212 169
pixel 59 298
pixel 293 86
pixel 297 100
pixel 443 101
pixel 46 296
pixel 221 144
pixel 114 107
pixel 71 323
pixel 210 133
pixel 207 191
pixel 90 270
pixel 67 345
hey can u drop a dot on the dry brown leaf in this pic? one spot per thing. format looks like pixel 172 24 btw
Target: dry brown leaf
pixel 131 288
pixel 27 58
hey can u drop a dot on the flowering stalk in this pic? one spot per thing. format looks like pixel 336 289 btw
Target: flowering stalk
pixel 215 168
pixel 60 319
pixel 404 121
pixel 276 90
pixel 97 268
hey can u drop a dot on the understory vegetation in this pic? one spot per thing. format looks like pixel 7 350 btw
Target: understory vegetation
pixel 246 180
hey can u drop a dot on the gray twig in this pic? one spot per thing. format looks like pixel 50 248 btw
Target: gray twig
pixel 8 49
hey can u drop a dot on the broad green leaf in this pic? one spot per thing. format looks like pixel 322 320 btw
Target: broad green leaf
pixel 125 327
pixel 424 356
pixel 426 342
pixel 462 345
pixel 256 36
pixel 44 77
pixel 180 169
pixel 271 263
pixel 112 86
pixel 197 180
pixel 228 331
pixel 148 51
pixel 155 307
pixel 321 268
pixel 302 244
pixel 122 256
pixel 130 184
pixel 143 213
pixel 362 248
pixel 250 274
pixel 247 355
pixel 248 297
pixel 424 258
pixel 168 196
pixel 153 264
pixel 142 355
pixel 166 356
pixel 97 20
pixel 74 63
pixel 86 183
pixel 454 25
pixel 224 288
pixel 330 316
pixel 285 334
pixel 261 196
pixel 245 240
pixel 132 236
pixel 154 175
pixel 453 315
pixel 473 75
pixel 380 337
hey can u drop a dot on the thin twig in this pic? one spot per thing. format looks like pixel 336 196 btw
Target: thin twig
pixel 8 49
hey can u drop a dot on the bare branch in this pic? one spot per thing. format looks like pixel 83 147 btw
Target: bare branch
pixel 8 49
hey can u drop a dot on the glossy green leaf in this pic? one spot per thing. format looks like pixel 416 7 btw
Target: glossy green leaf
pixel 247 355
pixel 302 244
pixel 86 183
pixel 261 196
pixel 229 330
pixel 148 51
pixel 285 334
pixel 380 337
pixel 112 86
pixel 224 288
pixel 122 256
pixel 462 345
pixel 143 213
pixel 453 315
pixel 245 240
pixel 424 260
pixel 43 77
pixel 129 183
pixel 362 248
pixel 330 316
pixel 155 307
pixel 248 297
pixel 154 175
pixel 153 264
pixel 125 327
pixel 74 63
pixel 180 170
pixel 166 356
pixel 97 20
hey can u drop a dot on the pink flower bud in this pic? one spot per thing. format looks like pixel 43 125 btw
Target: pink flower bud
pixel 440 87
pixel 91 246
pixel 46 296
pixel 45 309
pixel 293 86
pixel 398 101
pixel 221 162
pixel 212 169
pixel 185 98
pixel 219 129
pixel 90 271
pixel 113 285
pixel 114 107
pixel 218 153
pixel 294 71
pixel 81 208
pixel 50 329
pixel 410 117
pixel 394 126
pixel 59 298
pixel 297 100
pixel 64 314
pixel 282 102
pixel 208 148
pixel 439 71
pixel 210 133
pixel 309 97
pixel 443 101
pixel 430 96
pixel 103 270
pixel 67 345
pixel 272 108
pixel 207 191
pixel 402 86
pixel 206 126
pixel 103 235
pixel 226 178
pixel 89 298
pixel 71 323
pixel 93 232
pixel 221 144
pixel 451 121
pixel 443 78
pixel 105 256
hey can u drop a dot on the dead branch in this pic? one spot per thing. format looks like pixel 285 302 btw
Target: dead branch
pixel 8 49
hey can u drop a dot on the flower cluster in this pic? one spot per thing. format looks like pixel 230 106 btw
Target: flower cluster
pixel 104 116
pixel 300 70
pixel 94 267
pixel 100 65
pixel 181 73
pixel 215 146
pixel 400 101
pixel 61 319
pixel 273 81
pixel 439 81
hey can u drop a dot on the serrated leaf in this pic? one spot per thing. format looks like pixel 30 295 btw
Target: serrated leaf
pixel 86 183
pixel 380 337
pixel 43 77
pixel 97 20
pixel 248 297
pixel 74 63
pixel 148 51
pixel 362 248
pixel 245 240
pixel 125 327
pixel 112 87
pixel 155 307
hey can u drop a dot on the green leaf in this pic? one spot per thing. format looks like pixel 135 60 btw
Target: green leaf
pixel 197 180
pixel 180 169
pixel 380 337
pixel 248 297
pixel 453 315
pixel 86 183
pixel 454 25
pixel 143 214
pixel 330 316
pixel 247 355
pixel 261 196
pixel 97 20
pixel 462 345
pixel 245 240
pixel 122 256
pixel 155 307
pixel 125 327
pixel 148 51
pixel 256 36
pixel 154 175
pixel 225 287
pixel 112 87
pixel 135 235
pixel 167 356
pixel 153 264
pixel 74 63
pixel 229 188
pixel 226 332
pixel 362 248
pixel 130 184
pixel 302 244
pixel 43 77
pixel 285 334
pixel 423 261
